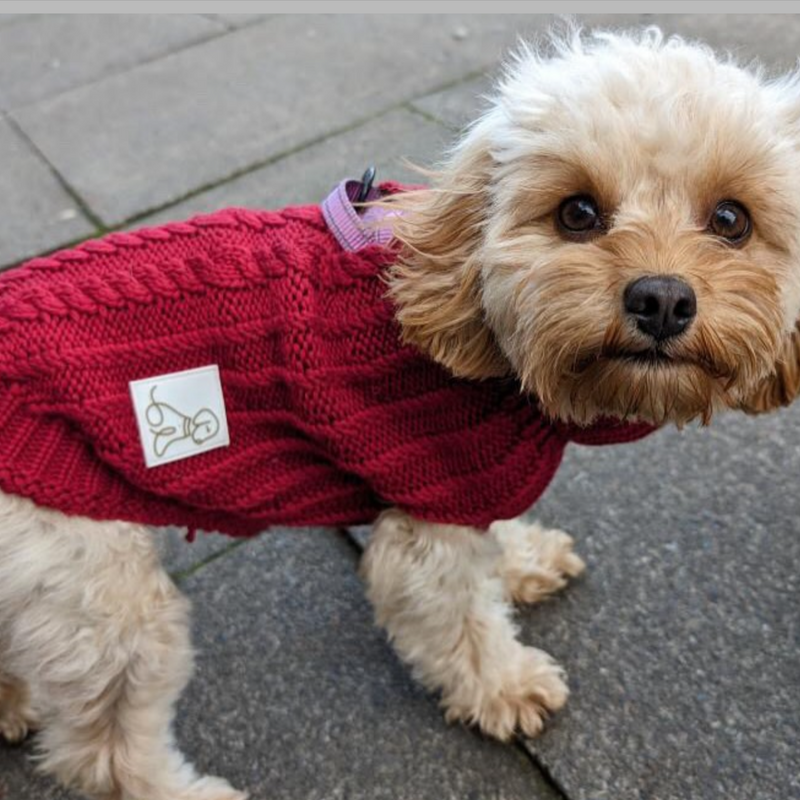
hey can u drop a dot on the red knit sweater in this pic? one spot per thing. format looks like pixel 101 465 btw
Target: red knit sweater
pixel 331 418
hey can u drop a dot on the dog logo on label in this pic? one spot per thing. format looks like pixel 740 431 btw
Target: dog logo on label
pixel 180 414
pixel 168 425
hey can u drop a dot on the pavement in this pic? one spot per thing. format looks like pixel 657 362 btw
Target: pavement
pixel 682 641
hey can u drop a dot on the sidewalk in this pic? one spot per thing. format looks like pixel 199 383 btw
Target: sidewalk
pixel 681 642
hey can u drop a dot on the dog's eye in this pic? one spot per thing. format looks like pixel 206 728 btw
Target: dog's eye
pixel 731 221
pixel 579 217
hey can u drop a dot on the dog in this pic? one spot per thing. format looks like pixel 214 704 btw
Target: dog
pixel 615 237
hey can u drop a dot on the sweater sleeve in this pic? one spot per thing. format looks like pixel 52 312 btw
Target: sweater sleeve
pixel 606 431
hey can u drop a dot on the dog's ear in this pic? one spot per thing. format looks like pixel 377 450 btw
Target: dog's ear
pixel 436 282
pixel 783 386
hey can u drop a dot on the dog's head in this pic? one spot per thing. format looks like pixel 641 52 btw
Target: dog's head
pixel 620 230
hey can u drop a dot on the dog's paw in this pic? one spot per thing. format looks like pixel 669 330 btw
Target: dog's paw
pixel 16 718
pixel 210 788
pixel 13 728
pixel 529 688
pixel 536 561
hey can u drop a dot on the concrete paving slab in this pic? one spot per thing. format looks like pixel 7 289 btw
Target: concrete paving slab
pixel 682 642
pixel 458 106
pixel 769 38
pixel 308 175
pixel 201 115
pixel 46 54
pixel 37 213
pixel 298 696
pixel 19 779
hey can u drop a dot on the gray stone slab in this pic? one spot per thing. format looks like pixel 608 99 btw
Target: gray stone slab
pixel 298 696
pixel 458 105
pixel 360 534
pixel 770 38
pixel 308 175
pixel 682 640
pixel 199 116
pixel 19 779
pixel 37 213
pixel 6 18
pixel 46 54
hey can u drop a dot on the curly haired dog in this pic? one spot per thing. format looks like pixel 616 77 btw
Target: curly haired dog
pixel 618 236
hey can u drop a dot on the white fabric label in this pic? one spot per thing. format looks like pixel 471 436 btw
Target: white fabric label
pixel 180 415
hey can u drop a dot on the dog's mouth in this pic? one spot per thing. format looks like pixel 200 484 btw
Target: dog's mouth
pixel 654 359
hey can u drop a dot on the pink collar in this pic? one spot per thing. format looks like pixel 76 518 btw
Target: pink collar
pixel 355 230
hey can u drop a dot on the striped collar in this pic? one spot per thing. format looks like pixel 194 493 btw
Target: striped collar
pixel 355 230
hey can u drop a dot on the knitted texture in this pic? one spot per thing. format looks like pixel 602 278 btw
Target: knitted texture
pixel 331 418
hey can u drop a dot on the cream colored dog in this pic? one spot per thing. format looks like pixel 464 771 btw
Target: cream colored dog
pixel 620 231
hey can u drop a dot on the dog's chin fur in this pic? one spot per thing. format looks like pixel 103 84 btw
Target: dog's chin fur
pixel 658 132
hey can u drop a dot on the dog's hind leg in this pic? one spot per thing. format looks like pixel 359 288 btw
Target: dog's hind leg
pixel 437 591
pixel 16 714
pixel 536 561
pixel 101 634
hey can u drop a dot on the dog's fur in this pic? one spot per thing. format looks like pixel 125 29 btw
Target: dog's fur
pixel 94 643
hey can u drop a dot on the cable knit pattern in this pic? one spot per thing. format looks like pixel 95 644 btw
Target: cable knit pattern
pixel 331 418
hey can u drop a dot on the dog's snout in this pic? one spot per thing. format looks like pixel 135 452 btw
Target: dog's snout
pixel 663 306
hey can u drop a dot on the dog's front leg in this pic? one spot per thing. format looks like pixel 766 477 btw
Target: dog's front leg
pixel 439 592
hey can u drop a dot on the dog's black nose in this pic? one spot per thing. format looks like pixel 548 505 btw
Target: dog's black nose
pixel 662 306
